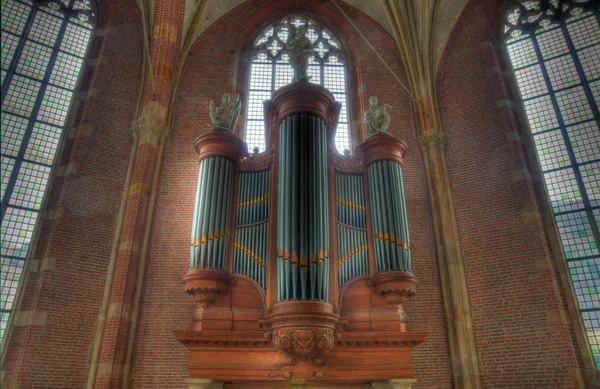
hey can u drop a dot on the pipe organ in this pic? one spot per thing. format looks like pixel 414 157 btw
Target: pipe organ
pixel 300 255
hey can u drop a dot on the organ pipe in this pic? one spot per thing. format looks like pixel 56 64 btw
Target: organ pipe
pixel 303 209
pixel 211 220
pixel 252 228
pixel 286 244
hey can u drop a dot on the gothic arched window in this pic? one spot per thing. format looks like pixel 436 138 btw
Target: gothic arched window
pixel 270 70
pixel 554 48
pixel 43 48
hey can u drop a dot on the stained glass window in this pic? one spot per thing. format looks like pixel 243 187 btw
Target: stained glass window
pixel 554 48
pixel 270 70
pixel 43 47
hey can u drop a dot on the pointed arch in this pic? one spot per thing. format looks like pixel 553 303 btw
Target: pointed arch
pixel 554 50
pixel 270 70
pixel 44 44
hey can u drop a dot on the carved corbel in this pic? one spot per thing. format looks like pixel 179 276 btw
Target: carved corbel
pixel 149 129
pixel 397 287
pixel 432 138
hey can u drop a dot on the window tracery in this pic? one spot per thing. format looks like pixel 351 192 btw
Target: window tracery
pixel 270 70
pixel 554 48
pixel 43 49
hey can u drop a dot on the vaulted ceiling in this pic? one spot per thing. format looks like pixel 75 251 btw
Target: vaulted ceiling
pixel 448 12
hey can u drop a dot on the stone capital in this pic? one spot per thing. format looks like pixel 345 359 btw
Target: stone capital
pixel 431 138
pixel 203 383
pixel 149 128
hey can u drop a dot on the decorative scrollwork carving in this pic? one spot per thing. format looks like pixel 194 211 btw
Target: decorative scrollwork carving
pixel 257 162
pixel 346 163
pixel 305 344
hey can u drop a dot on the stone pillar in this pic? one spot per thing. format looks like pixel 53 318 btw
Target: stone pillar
pixel 461 341
pixel 203 383
pixel 395 383
pixel 148 133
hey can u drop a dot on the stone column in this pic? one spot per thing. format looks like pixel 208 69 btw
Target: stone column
pixel 461 341
pixel 148 133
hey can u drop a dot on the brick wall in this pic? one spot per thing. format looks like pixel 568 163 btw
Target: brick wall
pixel 514 294
pixel 216 66
pixel 69 294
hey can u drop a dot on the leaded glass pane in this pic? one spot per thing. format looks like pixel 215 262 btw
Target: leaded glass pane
pixel 55 105
pixel 31 38
pixel 531 82
pixel 13 130
pixel 585 141
pixel 589 62
pixel 45 28
pixel 261 76
pixel 12 268
pixel 586 281
pixel 595 88
pixel 255 104
pixel 75 40
pixel 565 128
pixel 34 60
pixel 43 143
pixel 7 167
pixel 551 150
pixel 65 72
pixel 283 75
pixel 573 105
pixel 589 175
pixel 9 45
pixel 523 54
pixel 14 16
pixel 17 231
pixel 541 114
pixel 21 96
pixel 591 322
pixel 576 234
pixel 562 73
pixel 270 71
pixel 552 44
pixel 30 186
pixel 584 32
pixel 563 190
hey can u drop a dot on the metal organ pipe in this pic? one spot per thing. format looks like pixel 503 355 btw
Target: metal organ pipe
pixel 303 209
pixel 252 227
pixel 388 216
pixel 209 229
pixel 351 228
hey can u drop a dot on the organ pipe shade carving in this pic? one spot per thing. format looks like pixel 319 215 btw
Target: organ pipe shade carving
pixel 252 229
pixel 351 231
pixel 391 241
pixel 303 210
pixel 212 214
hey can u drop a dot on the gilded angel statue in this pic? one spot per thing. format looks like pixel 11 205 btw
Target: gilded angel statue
pixel 376 118
pixel 225 117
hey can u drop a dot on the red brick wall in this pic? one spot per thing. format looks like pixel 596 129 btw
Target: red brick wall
pixel 217 57
pixel 512 290
pixel 57 353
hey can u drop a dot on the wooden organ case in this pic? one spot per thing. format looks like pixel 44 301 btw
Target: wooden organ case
pixel 300 256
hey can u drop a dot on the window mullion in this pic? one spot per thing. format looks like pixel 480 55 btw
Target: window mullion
pixel 17 54
pixel 32 120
